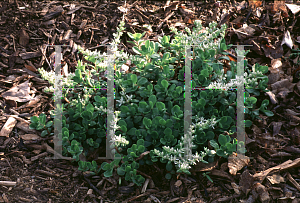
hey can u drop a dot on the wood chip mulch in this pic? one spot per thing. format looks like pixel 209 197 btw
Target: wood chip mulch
pixel 269 173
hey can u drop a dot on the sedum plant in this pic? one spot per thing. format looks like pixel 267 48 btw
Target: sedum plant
pixel 149 103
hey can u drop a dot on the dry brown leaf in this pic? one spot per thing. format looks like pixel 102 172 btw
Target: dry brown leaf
pixel 279 6
pixel 260 192
pixel 246 182
pixel 272 52
pixel 23 38
pixel 236 162
pixel 31 68
pixel 254 4
pixel 286 165
pixel 30 137
pixel 275 179
pixel 19 93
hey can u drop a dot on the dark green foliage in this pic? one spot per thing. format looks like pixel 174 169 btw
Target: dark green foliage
pixel 151 104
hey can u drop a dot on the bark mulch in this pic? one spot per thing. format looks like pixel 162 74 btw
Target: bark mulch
pixel 272 172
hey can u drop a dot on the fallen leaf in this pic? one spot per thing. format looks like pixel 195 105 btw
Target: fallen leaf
pixel 23 38
pixel 254 4
pixel 236 188
pixel 275 179
pixel 19 93
pixel 236 162
pixel 287 40
pixel 279 6
pixel 241 6
pixel 272 52
pixel 246 181
pixel 260 192
pixel 294 8
pixel 30 137
pixel 31 68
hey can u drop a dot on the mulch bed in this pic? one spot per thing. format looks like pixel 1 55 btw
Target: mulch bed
pixel 27 27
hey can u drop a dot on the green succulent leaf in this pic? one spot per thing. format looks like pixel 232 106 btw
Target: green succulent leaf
pixel 168 131
pixel 141 148
pixel 125 109
pixel 179 89
pixel 44 133
pixel 108 173
pixel 34 119
pixel 90 108
pixel 248 123
pixel 165 84
pixel 169 166
pixel 162 122
pixel 128 169
pixel 268 113
pixel 42 118
pixel 133 78
pixel 142 81
pixel 147 122
pixel 168 176
pixel 105 166
pixel 39 127
pixel 222 139
pixel 120 171
pixel 136 36
pixel 160 106
pixel 140 142
pixel 49 124
pixel 132 131
pixel 87 115
pixel 153 99
pixel 205 73
pixel 33 125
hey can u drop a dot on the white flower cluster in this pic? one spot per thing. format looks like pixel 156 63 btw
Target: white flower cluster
pixel 206 38
pixel 252 77
pixel 182 156
pixel 118 34
pixel 225 86
pixel 51 77
pixel 73 102
pixel 204 124
pixel 94 54
pixel 128 99
pixel 116 140
pixel 117 55
pixel 49 89
pixel 101 109
pixel 102 65
pixel 242 80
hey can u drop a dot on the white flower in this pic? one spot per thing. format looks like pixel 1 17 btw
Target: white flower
pixel 121 101
pixel 184 166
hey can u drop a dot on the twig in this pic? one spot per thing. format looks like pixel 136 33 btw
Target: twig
pixel 8 183
pixel 144 174
pixel 167 18
pixel 136 197
pixel 142 155
pixel 93 186
pixel 32 32
pixel 42 51
pixel 18 118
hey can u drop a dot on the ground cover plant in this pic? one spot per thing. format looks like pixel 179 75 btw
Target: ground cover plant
pixel 149 104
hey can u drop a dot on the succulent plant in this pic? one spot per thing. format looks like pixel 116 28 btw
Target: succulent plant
pixel 149 104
